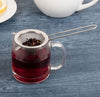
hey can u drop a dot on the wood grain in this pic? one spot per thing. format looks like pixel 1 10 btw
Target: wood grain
pixel 80 75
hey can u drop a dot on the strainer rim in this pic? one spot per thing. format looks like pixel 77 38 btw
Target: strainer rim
pixel 34 30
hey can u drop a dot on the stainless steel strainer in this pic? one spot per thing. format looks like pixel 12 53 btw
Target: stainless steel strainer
pixel 24 35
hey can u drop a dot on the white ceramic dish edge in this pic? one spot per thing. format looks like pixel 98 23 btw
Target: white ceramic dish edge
pixel 11 10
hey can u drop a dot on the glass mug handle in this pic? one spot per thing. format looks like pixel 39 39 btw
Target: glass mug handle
pixel 58 45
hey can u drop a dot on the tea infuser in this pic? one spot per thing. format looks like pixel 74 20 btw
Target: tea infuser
pixel 31 64
pixel 24 35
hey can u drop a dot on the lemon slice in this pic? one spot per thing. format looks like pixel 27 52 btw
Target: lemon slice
pixel 3 6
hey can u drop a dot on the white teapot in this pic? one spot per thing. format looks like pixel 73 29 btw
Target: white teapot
pixel 62 8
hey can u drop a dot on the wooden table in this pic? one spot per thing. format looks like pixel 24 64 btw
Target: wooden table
pixel 80 75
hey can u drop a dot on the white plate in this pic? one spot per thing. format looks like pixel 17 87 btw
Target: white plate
pixel 11 10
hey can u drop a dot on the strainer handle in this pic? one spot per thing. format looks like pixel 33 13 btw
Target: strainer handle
pixel 58 45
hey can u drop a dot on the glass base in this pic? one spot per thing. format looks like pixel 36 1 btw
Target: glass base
pixel 30 80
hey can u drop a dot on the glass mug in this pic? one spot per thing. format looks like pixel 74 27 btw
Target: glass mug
pixel 31 64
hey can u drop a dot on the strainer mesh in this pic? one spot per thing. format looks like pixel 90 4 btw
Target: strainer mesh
pixel 25 36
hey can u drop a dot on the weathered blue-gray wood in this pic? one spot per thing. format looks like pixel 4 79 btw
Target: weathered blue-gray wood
pixel 80 75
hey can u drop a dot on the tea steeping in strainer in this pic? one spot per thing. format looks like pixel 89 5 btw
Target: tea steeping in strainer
pixel 24 35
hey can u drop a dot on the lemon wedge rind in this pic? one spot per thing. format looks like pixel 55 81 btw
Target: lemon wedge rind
pixel 3 7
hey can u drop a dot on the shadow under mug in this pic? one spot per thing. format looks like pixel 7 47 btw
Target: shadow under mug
pixel 32 64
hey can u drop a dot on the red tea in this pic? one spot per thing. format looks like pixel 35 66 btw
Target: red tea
pixel 29 67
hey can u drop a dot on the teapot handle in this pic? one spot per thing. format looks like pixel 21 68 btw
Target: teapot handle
pixel 84 6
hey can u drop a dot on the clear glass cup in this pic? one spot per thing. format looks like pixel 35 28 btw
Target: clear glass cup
pixel 32 64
